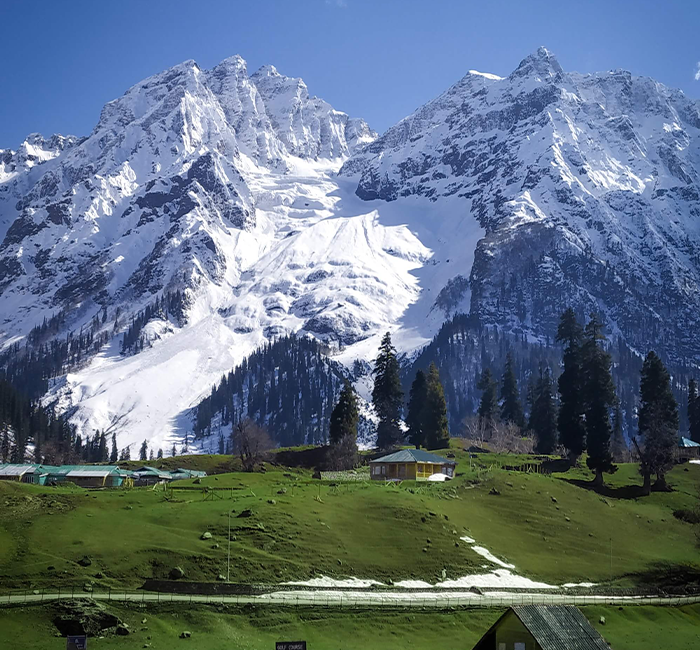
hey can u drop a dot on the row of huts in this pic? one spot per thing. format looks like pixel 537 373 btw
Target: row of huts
pixel 92 475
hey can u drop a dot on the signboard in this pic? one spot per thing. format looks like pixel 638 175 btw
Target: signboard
pixel 76 643
pixel 290 645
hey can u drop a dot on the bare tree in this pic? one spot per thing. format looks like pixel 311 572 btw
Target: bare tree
pixel 250 442
pixel 476 431
pixel 507 437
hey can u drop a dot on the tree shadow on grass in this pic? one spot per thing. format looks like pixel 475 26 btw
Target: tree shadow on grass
pixel 669 577
pixel 623 492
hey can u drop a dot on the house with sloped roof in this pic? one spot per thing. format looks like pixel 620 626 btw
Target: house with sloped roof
pixel 542 627
pixel 86 475
pixel 410 465
pixel 687 449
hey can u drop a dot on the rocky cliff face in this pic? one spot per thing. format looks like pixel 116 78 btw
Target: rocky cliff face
pixel 587 188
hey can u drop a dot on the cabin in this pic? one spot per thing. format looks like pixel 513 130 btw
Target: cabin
pixel 542 627
pixel 86 475
pixel 150 475
pixel 687 449
pixel 410 465
pixel 181 473
pixel 25 473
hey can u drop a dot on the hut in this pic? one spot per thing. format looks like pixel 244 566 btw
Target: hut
pixel 181 473
pixel 542 627
pixel 23 473
pixel 86 475
pixel 411 465
pixel 150 475
pixel 687 449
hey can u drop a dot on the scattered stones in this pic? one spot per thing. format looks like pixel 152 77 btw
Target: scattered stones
pixel 509 484
pixel 245 513
pixel 197 481
pixel 432 514
pixel 567 519
pixel 494 491
pixel 272 502
pixel 122 630
pixel 428 541
pixel 205 535
pixel 215 546
pixel 601 620
pixel 85 561
pixel 423 519
pixel 51 568
pixel 282 491
pixel 176 573
pixel 554 499
pixel 221 578
pixel 78 617
pixel 185 635
pixel 425 550
pixel 144 621
pixel 99 575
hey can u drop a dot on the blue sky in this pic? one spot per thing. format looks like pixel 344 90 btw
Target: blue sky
pixel 62 60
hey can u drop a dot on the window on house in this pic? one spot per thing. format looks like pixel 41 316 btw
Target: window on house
pixel 383 469
pixel 519 646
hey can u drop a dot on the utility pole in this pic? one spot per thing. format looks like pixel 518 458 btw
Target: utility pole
pixel 611 574
pixel 228 562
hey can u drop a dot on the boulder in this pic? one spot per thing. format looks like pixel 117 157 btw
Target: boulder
pixel 245 513
pixel 122 630
pixel 205 535
pixel 85 561
pixel 83 616
pixel 176 573
pixel 185 635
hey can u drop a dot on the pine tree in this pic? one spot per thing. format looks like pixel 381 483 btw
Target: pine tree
pixel 113 457
pixel 416 404
pixel 511 408
pixel 160 453
pixel 345 416
pixel 599 397
pixel 658 422
pixel 342 454
pixel 693 411
pixel 488 407
pixel 543 417
pixel 618 446
pixel 143 452
pixel 103 456
pixel 387 395
pixel 173 451
pixel 572 432
pixel 437 435
pixel 222 444
pixel 5 444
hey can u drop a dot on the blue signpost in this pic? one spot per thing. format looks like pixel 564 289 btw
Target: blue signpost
pixel 76 643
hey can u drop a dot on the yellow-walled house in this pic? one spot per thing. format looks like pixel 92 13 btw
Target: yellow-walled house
pixel 410 465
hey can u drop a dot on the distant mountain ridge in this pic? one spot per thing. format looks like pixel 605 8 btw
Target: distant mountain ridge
pixel 262 211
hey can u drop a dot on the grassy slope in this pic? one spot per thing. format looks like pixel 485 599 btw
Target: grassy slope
pixel 630 628
pixel 365 529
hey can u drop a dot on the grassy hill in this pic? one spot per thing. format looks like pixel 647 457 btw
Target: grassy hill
pixel 553 528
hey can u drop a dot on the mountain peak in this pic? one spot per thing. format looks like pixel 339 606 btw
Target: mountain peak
pixel 541 63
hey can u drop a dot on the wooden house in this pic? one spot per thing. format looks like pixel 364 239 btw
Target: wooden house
pixel 24 473
pixel 542 627
pixel 687 449
pixel 86 475
pixel 410 465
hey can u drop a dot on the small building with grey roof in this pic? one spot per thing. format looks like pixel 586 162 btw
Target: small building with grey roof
pixel 542 627
pixel 410 465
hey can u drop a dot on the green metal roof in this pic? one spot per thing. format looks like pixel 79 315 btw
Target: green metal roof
pixel 413 456
pixel 687 442
pixel 64 470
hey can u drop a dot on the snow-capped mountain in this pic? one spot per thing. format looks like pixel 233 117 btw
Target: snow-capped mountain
pixel 256 210
pixel 587 187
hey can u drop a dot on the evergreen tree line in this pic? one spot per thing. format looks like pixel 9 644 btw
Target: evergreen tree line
pixel 463 348
pixel 587 416
pixel 426 411
pixel 289 387
pixel 22 423
pixel 171 304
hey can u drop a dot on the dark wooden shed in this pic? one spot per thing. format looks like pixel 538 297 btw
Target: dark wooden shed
pixel 542 627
